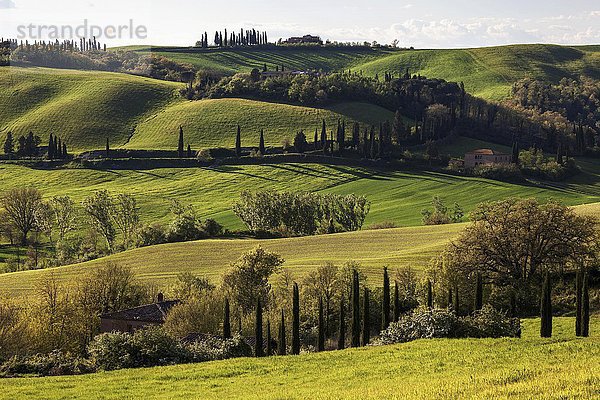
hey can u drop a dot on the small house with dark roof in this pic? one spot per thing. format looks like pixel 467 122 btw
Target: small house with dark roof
pixel 486 157
pixel 136 318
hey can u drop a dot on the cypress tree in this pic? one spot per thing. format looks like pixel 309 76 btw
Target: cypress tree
pixel 450 298
pixel 65 154
pixel 56 149
pixel 269 340
pixel 261 144
pixel 227 321
pixel 51 148
pixel 316 140
pixel 372 145
pixel 355 310
pixel 429 295
pixel 456 303
pixel 9 144
pixel 366 328
pixel 546 308
pixel 281 343
pixel 238 142
pixel 180 151
pixel 296 321
pixel 258 331
pixel 107 149
pixel 578 302
pixel 59 154
pixel 321 339
pixel 396 302
pixel 324 137
pixel 385 318
pixel 342 331
pixel 585 307
pixel 478 292
pixel 189 151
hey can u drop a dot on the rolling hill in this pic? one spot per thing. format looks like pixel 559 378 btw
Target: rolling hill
pixel 563 367
pixel 85 108
pixel 487 72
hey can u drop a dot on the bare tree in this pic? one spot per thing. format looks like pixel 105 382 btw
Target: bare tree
pixel 21 206
pixel 63 210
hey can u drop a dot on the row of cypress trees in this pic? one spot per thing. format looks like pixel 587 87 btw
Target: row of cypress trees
pixel 360 323
pixel 57 149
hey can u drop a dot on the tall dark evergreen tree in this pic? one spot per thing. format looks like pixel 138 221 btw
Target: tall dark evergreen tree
pixel 258 331
pixel 180 150
pixel 296 321
pixel 107 149
pixel 51 148
pixel 321 328
pixel 316 140
pixel 365 144
pixel 578 302
pixel 515 153
pixel 355 342
pixel 65 154
pixel 56 148
pixel 342 329
pixel 189 151
pixel 59 154
pixel 324 137
pixel 238 142
pixel 281 342
pixel 269 340
pixel 585 306
pixel 366 328
pixel 261 144
pixel 478 292
pixel 456 303
pixel 450 299
pixel 9 144
pixel 429 295
pixel 396 302
pixel 372 147
pixel 385 317
pixel 227 320
pixel 546 308
pixel 356 135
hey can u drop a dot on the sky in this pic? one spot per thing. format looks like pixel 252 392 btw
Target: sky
pixel 422 24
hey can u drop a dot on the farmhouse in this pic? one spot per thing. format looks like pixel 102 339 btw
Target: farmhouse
pixel 136 318
pixel 304 40
pixel 486 157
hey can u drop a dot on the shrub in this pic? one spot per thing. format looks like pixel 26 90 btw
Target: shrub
pixel 443 323
pixel 491 323
pixel 499 172
pixel 151 235
pixel 144 348
pixel 216 348
pixel 383 225
pixel 212 228
pixel 52 364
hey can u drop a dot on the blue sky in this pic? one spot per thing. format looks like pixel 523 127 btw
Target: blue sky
pixel 423 24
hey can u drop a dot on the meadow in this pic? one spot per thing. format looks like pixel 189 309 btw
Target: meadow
pixel 86 108
pixel 487 72
pixel 558 368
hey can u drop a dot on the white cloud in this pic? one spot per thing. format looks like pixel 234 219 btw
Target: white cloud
pixel 6 4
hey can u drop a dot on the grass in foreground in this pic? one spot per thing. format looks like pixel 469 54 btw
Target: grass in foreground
pixel 528 368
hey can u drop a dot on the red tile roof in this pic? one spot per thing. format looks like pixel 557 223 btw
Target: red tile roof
pixel 487 152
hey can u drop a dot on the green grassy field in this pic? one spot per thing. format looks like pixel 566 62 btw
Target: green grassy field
pixel 487 72
pixel 213 123
pixel 231 61
pixel 85 108
pixel 528 368
pixel 160 265
pixel 490 72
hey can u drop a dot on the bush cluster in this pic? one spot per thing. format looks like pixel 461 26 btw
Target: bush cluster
pixel 444 323
pixel 55 363
pixel 301 214
pixel 154 347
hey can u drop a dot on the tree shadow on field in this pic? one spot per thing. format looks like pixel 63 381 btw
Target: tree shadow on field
pixel 228 169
